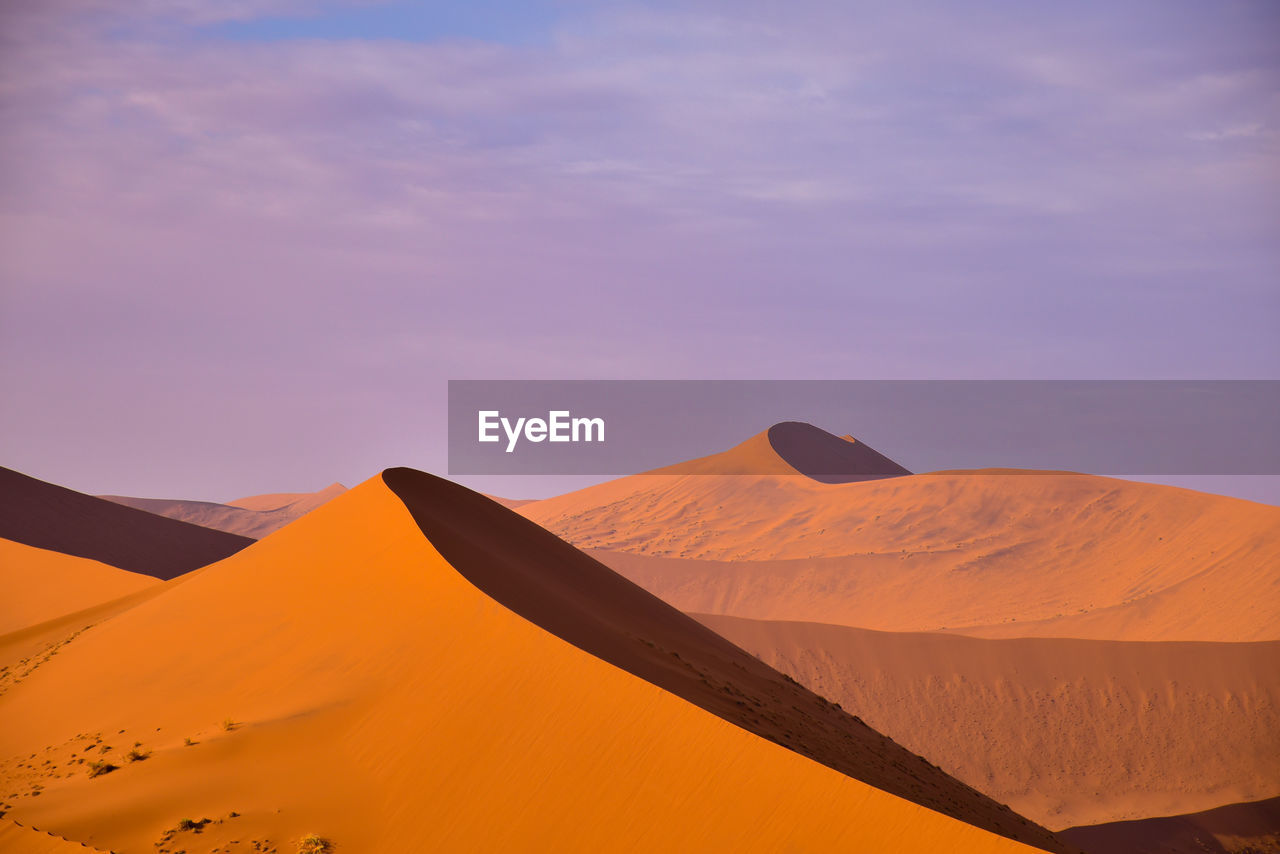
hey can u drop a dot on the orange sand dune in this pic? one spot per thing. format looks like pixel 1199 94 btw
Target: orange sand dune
pixel 1066 732
pixel 987 553
pixel 51 517
pixel 342 678
pixel 254 517
pixel 40 585
pixel 1235 829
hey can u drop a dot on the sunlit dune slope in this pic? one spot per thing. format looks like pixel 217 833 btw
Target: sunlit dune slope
pixel 39 584
pixel 986 553
pixel 52 517
pixel 342 678
pixel 1249 828
pixel 255 516
pixel 1066 732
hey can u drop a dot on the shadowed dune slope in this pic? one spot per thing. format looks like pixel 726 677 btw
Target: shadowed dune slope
pixel 39 584
pixel 984 553
pixel 1066 732
pixel 52 517
pixel 369 693
pixel 1235 829
pixel 253 517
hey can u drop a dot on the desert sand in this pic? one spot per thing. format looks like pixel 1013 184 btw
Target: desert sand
pixel 40 584
pixel 342 678
pixel 1251 828
pixel 17 837
pixel 255 516
pixel 52 517
pixel 985 553
pixel 1066 732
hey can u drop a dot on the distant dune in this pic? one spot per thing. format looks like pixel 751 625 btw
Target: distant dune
pixel 1066 732
pixel 793 447
pixel 51 517
pixel 343 678
pixel 983 553
pixel 255 516
pixel 1252 828
pixel 40 584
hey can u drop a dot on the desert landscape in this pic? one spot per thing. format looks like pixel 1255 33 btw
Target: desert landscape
pixel 641 426
pixel 697 658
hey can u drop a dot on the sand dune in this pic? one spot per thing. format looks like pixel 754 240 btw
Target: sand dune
pixel 51 517
pixel 1066 732
pixel 1250 828
pixel 255 516
pixel 343 678
pixel 791 448
pixel 40 584
pixel 987 553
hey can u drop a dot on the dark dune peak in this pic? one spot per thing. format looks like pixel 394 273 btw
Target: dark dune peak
pixel 550 583
pixel 829 458
pixel 52 517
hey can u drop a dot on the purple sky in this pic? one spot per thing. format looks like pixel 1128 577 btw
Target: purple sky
pixel 244 244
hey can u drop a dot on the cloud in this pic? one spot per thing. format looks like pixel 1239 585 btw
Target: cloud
pixel 705 189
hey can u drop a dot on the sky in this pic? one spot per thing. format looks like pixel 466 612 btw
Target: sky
pixel 245 244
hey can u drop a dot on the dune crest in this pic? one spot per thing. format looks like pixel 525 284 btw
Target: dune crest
pixel 791 448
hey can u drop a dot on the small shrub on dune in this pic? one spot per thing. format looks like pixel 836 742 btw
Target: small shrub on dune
pixel 97 769
pixel 137 755
pixel 314 845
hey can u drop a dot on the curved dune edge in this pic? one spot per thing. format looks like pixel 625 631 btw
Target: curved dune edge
pixel 379 699
pixel 40 584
